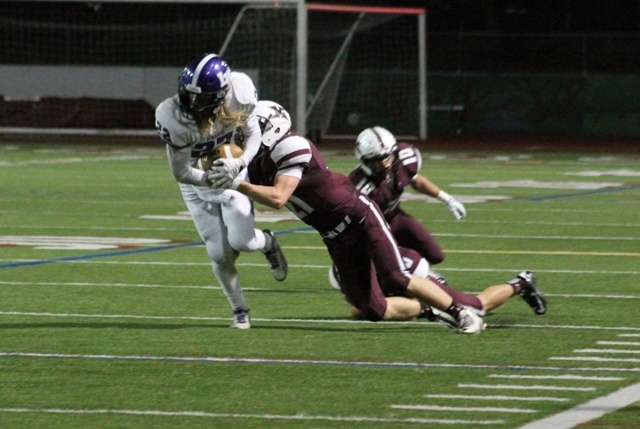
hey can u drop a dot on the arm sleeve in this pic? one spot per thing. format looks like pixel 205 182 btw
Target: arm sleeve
pixel 415 167
pixel 180 165
pixel 244 98
pixel 253 138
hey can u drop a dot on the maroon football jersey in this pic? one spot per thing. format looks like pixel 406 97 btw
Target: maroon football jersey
pixel 323 198
pixel 386 193
pixel 353 228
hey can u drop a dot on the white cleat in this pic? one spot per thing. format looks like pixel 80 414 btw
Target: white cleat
pixel 241 319
pixel 469 322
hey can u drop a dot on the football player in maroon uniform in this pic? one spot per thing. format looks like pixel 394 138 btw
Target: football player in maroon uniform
pixel 386 168
pixel 523 285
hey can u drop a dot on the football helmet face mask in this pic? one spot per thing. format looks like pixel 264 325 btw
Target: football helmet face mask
pixel 274 121
pixel 203 85
pixel 376 148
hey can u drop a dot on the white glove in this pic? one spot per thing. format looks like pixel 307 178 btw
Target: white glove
pixel 220 180
pixel 229 166
pixel 454 206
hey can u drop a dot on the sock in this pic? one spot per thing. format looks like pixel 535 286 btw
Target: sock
pixel 517 284
pixel 454 309
pixel 426 313
pixel 268 242
pixel 227 276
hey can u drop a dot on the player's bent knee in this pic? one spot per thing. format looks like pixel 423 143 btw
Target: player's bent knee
pixel 217 254
pixel 395 283
pixel 371 314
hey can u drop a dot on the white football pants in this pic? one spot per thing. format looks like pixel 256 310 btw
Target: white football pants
pixel 224 220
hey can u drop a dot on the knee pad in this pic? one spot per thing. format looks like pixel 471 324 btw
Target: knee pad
pixel 220 254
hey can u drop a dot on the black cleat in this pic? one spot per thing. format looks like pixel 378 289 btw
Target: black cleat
pixel 277 261
pixel 531 294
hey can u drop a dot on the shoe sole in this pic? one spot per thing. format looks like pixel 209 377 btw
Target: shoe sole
pixel 240 326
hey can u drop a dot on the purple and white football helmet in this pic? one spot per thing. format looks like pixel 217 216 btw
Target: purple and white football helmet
pixel 203 85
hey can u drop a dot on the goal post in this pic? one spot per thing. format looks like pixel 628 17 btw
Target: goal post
pixel 337 68
pixel 378 70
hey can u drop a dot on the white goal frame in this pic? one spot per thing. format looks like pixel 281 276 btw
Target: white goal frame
pixel 302 97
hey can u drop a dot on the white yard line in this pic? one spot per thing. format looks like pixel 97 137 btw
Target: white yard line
pixel 526 387
pixel 594 359
pixel 248 416
pixel 611 351
pixel 500 398
pixel 305 321
pixel 474 409
pixel 555 377
pixel 266 361
pixel 326 267
pixel 588 411
pixel 619 343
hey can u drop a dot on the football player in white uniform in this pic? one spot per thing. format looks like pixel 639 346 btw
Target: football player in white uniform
pixel 212 104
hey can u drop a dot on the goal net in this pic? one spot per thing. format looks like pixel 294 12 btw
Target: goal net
pixel 103 67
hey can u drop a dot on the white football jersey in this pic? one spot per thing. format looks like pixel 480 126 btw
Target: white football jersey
pixel 181 133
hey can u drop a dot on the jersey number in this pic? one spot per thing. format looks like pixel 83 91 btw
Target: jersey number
pixel 407 156
pixel 163 133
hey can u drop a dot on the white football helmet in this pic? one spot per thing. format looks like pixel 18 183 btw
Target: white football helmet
pixel 274 121
pixel 375 143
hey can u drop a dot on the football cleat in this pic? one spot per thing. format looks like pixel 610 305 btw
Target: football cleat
pixel 469 322
pixel 531 294
pixel 439 277
pixel 444 318
pixel 241 319
pixel 277 261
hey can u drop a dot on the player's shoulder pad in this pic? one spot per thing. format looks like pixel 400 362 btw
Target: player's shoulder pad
pixel 405 145
pixel 169 113
pixel 170 123
pixel 292 143
pixel 165 108
pixel 243 89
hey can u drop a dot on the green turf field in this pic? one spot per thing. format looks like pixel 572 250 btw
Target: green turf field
pixel 110 316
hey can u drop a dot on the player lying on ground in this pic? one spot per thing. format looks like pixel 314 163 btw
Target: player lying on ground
pixel 523 285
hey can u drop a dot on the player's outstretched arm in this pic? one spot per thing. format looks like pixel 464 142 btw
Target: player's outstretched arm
pixel 425 186
pixel 275 196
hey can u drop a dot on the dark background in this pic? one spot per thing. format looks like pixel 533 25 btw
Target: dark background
pixel 535 67
pixel 608 16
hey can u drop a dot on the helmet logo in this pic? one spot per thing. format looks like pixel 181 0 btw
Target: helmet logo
pixel 223 77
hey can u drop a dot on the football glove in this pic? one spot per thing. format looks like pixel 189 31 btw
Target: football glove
pixel 220 180
pixel 229 166
pixel 454 206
